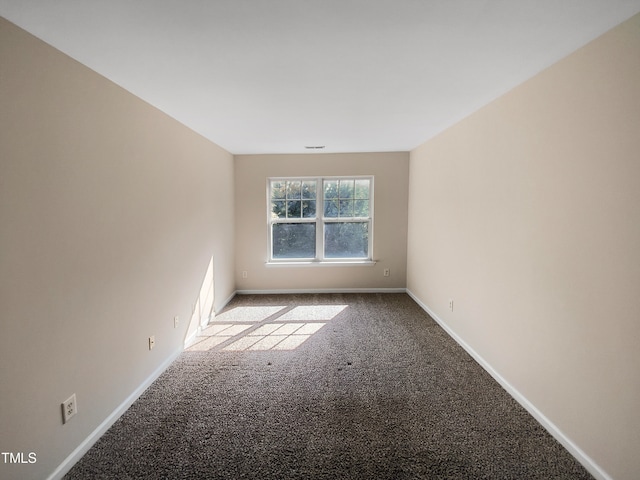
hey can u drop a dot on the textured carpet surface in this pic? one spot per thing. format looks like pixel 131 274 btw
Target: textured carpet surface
pixel 362 386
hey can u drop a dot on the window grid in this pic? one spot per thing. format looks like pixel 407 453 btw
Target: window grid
pixel 295 199
pixel 339 204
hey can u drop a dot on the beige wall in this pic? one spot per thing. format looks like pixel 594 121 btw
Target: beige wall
pixel 390 222
pixel 527 215
pixel 110 212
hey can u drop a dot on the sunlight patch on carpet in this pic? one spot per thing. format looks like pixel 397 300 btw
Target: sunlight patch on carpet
pixel 276 336
pixel 265 327
pixel 249 314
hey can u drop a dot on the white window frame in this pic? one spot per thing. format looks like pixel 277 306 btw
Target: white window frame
pixel 320 221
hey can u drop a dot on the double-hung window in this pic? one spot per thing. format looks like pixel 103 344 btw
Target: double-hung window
pixel 326 219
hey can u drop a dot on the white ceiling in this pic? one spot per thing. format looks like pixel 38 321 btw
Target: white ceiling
pixel 274 76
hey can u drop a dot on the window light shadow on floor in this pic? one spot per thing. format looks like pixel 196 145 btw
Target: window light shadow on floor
pixel 265 327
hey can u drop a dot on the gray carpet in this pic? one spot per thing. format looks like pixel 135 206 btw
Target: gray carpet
pixel 362 386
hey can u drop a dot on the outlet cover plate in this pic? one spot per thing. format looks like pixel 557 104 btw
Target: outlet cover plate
pixel 69 408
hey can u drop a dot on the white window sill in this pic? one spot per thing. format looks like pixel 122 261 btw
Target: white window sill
pixel 324 263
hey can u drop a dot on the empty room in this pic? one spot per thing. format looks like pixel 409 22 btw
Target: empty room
pixel 317 240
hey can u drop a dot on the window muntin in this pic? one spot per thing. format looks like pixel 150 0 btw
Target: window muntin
pixel 347 198
pixel 340 230
pixel 293 199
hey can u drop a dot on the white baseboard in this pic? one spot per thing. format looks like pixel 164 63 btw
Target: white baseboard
pixel 586 461
pixel 194 336
pixel 571 447
pixel 88 442
pixel 321 290
pixel 223 304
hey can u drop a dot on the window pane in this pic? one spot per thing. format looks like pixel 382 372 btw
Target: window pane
pixel 346 208
pixel 346 188
pixel 293 189
pixel 330 189
pixel 278 190
pixel 361 208
pixel 278 209
pixel 309 209
pixel 294 240
pixel 362 189
pixel 331 208
pixel 294 208
pixel 346 240
pixel 309 189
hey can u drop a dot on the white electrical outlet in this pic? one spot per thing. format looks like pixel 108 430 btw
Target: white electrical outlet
pixel 176 321
pixel 244 274
pixel 451 304
pixel 69 408
pixel 386 272
pixel 152 342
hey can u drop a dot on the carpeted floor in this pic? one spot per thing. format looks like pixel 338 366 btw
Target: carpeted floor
pixel 341 386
